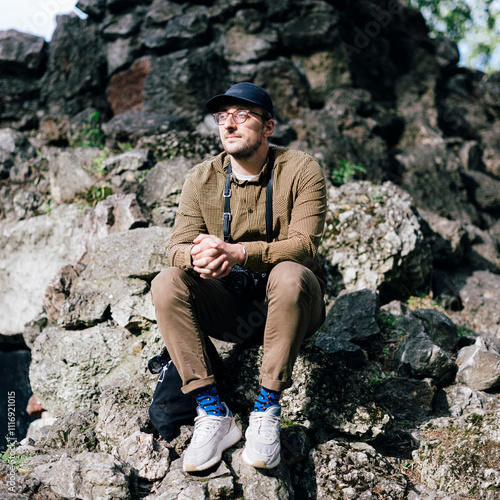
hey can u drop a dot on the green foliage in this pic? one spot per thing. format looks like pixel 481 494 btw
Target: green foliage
pixel 91 135
pixel 97 167
pixel 10 458
pixel 95 194
pixel 476 23
pixel 345 171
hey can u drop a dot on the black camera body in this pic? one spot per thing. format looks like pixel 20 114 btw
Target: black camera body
pixel 244 281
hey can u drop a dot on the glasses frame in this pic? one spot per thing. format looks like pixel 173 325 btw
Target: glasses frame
pixel 248 111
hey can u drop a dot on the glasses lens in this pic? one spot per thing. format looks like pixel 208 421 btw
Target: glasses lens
pixel 240 116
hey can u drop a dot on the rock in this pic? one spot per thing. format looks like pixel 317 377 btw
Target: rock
pixel 217 483
pixel 34 408
pixel 123 411
pixel 70 172
pixel 460 455
pixel 447 54
pixel 14 149
pixel 484 191
pixel 340 470
pixel 32 251
pixel 75 432
pixel 406 399
pixel 69 366
pixel 129 126
pixel 479 295
pixel 448 239
pixel 141 451
pixel 125 88
pixel 417 356
pixel 446 195
pixel 163 183
pixel 243 47
pixel 185 76
pixel 22 52
pixel 374 238
pixel 70 89
pixel 115 282
pixel 439 328
pixel 94 8
pixel 88 476
pixel 342 351
pixel 128 169
pixel 277 485
pixel 352 318
pixel 461 400
pixel 479 366
pixel 180 32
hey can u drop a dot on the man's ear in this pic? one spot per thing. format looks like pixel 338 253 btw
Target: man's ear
pixel 268 128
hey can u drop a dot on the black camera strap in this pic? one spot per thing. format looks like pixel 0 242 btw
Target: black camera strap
pixel 269 201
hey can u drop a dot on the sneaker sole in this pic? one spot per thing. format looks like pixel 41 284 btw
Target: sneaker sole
pixel 230 439
pixel 261 464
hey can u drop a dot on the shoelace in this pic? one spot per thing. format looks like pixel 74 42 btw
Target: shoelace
pixel 205 427
pixel 267 426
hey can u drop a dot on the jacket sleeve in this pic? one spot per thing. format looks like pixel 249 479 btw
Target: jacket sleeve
pixel 306 226
pixel 189 223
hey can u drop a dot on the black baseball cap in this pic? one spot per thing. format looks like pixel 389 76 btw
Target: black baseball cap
pixel 244 91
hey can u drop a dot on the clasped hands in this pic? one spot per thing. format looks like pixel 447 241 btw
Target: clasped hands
pixel 213 257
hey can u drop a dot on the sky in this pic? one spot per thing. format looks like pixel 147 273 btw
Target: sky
pixel 34 16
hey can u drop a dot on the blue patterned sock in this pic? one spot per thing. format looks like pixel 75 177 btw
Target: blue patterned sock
pixel 266 399
pixel 208 399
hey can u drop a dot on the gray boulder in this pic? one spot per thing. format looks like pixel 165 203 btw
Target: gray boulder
pixel 70 172
pixel 373 238
pixel 479 295
pixel 479 366
pixel 340 470
pixel 460 455
pixel 31 252
pixel 149 458
pixel 461 400
pixel 88 476
pixel 14 149
pixel 439 328
pixel 123 412
pixel 21 51
pixel 418 357
pixel 163 183
pixel 115 282
pixel 69 366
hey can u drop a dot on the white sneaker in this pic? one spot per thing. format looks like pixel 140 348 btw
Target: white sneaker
pixel 211 436
pixel 263 448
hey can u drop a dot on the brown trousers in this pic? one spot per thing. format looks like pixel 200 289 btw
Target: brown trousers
pixel 290 309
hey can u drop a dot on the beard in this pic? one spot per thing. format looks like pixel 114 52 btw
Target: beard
pixel 244 151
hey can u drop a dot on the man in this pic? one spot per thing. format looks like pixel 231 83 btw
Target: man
pixel 220 228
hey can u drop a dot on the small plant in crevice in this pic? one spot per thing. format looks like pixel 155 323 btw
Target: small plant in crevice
pixel 91 135
pixel 95 194
pixel 345 172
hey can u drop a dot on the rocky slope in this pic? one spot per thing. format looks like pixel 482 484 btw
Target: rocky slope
pixel 396 397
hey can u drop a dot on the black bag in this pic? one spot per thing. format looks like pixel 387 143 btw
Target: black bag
pixel 170 407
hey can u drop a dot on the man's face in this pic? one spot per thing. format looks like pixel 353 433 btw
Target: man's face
pixel 243 140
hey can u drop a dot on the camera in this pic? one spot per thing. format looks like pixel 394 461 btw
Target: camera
pixel 244 281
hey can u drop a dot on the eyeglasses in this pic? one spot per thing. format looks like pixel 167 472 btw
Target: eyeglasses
pixel 239 116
